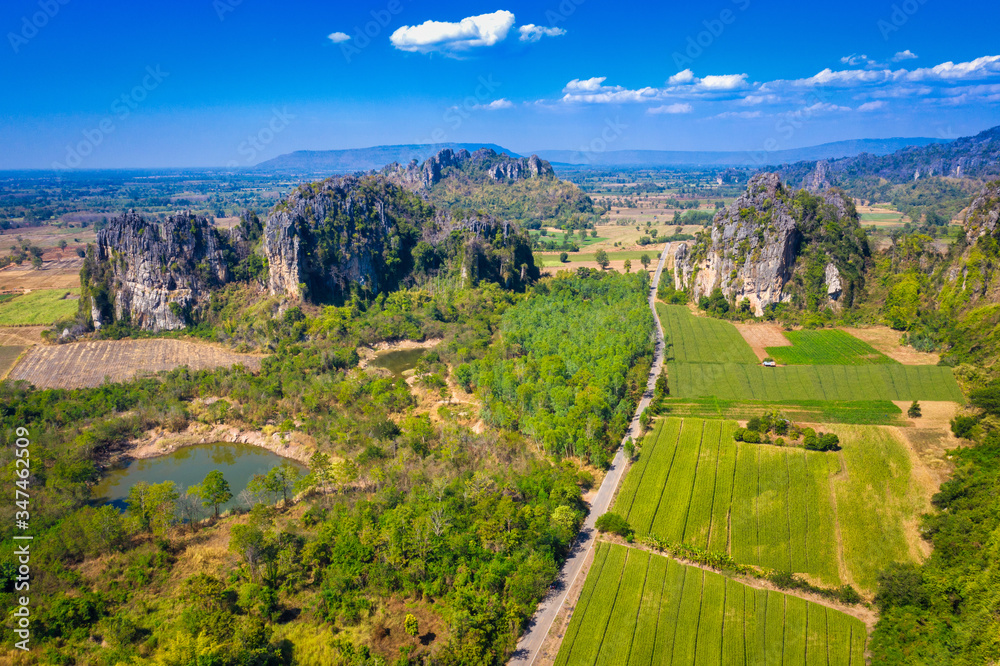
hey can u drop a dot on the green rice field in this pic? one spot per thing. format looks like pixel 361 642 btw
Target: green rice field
pixel 826 347
pixel 40 307
pixel 702 339
pixel 775 507
pixel 641 608
pixel 859 412
pixel 732 381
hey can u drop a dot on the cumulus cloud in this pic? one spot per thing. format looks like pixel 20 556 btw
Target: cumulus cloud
pixel 904 55
pixel 724 82
pixel 680 78
pixel 533 33
pixel 585 85
pixel 746 115
pixel 449 37
pixel 496 104
pixel 860 60
pixel 871 106
pixel 679 107
pixel 338 37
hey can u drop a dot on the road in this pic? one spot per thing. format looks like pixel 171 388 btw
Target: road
pixel 538 627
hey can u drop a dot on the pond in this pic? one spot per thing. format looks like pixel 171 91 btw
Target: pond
pixel 398 362
pixel 187 466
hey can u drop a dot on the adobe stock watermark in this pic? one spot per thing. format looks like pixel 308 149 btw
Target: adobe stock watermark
pixel 121 108
pixel 901 13
pixel 714 27
pixel 363 36
pixel 562 12
pixel 455 116
pixel 223 7
pixel 30 25
pixel 789 124
pixel 610 133
pixel 255 143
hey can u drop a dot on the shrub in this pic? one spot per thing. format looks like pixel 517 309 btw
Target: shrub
pixel 613 523
pixel 962 426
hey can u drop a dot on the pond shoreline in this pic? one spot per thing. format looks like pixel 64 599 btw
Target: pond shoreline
pixel 156 443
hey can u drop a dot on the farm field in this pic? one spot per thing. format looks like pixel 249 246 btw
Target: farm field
pixel 826 347
pixel 702 339
pixel 39 307
pixel 641 608
pixel 551 259
pixel 732 381
pixel 858 412
pixel 87 364
pixel 56 273
pixel 776 507
pixel 8 355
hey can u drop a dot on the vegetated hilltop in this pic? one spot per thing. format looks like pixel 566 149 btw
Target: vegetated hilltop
pixel 933 181
pixel 364 235
pixel 524 190
pixel 949 301
pixel 773 246
pixel 354 160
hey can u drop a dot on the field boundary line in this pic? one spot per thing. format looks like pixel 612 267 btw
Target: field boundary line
pixel 638 607
pixel 663 490
pixel 715 486
pixel 618 589
pixel 788 511
pixel 694 481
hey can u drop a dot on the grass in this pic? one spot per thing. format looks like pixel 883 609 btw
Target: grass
pixel 40 307
pixel 8 355
pixel 732 381
pixel 826 347
pixel 858 412
pixel 700 617
pixel 773 506
pixel 702 339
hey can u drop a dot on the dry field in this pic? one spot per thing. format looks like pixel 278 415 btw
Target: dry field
pixel 60 273
pixel 886 341
pixel 14 341
pixel 761 336
pixel 87 364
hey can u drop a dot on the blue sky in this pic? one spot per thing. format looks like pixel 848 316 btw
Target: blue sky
pixel 217 82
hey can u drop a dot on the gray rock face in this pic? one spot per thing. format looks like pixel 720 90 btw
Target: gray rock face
pixel 343 231
pixel 158 271
pixel 834 285
pixel 751 251
pixel 984 213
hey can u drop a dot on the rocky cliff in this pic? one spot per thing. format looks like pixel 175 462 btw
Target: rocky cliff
pixel 483 165
pixel 151 275
pixel 771 246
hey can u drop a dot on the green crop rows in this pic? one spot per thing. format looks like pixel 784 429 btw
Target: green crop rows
pixel 860 412
pixel 733 381
pixel 643 609
pixel 826 347
pixel 774 506
pixel 702 339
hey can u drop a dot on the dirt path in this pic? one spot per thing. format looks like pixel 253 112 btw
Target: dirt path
pixel 866 615
pixel 842 570
pixel 761 336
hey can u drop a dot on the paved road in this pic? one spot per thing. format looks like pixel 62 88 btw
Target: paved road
pixel 538 628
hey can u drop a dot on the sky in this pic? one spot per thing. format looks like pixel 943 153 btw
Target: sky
pixel 212 83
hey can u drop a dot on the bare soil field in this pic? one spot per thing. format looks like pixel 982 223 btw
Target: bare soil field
pixel 87 364
pixel 761 336
pixel 24 336
pixel 886 341
pixel 62 272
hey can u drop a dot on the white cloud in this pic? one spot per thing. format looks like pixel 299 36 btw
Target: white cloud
pixel 533 33
pixel 904 55
pixel 950 71
pixel 724 82
pixel 449 37
pixel 860 60
pixel 338 37
pixel 871 106
pixel 679 107
pixel 686 76
pixel 585 85
pixel 497 104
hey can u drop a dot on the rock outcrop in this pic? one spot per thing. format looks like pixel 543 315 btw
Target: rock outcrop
pixel 984 213
pixel 756 245
pixel 751 250
pixel 484 164
pixel 150 274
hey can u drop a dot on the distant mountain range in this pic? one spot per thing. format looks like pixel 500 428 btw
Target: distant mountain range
pixel 759 158
pixel 331 162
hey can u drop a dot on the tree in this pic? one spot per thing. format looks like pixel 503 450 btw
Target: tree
pixel 152 505
pixel 563 257
pixel 614 523
pixel 914 411
pixel 213 491
pixel 628 266
pixel 62 243
pixel 602 259
pixel 281 479
pixel 644 260
pixel 410 625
